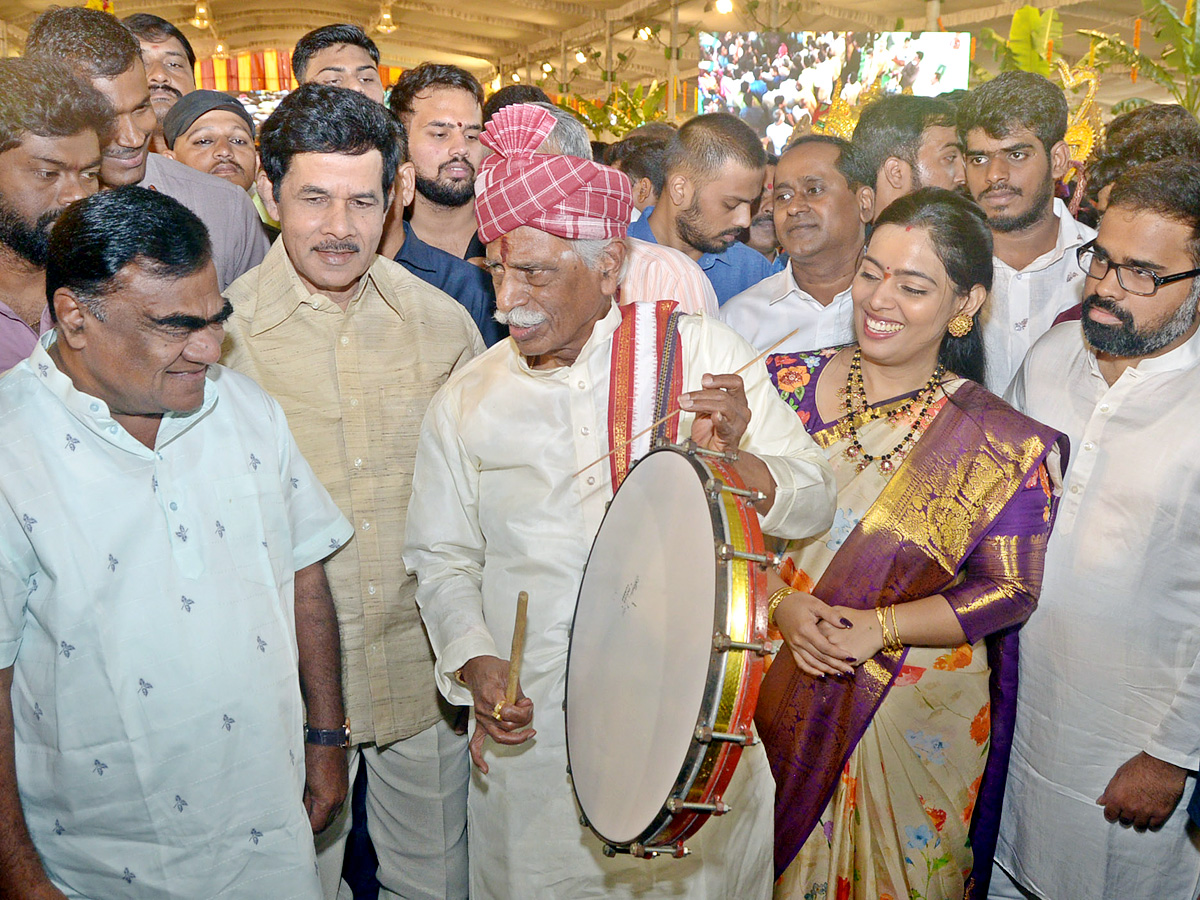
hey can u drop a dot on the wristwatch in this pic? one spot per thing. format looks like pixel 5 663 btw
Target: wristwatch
pixel 328 737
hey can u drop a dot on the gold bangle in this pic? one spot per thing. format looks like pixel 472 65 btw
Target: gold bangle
pixel 458 679
pixel 774 600
pixel 895 629
pixel 883 629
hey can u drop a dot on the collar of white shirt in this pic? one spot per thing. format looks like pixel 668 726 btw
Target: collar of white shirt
pixel 1071 234
pixel 1183 357
pixel 93 413
pixel 782 285
pixel 603 330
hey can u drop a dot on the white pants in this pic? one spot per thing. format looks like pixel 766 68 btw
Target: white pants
pixel 1004 888
pixel 416 816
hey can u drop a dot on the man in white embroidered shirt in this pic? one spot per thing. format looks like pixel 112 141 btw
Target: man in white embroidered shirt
pixel 1107 736
pixel 165 622
pixel 1013 128
pixel 496 509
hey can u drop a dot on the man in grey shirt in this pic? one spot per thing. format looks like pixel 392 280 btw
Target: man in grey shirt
pixel 103 52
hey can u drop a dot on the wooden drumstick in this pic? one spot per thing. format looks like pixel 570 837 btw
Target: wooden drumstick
pixel 676 412
pixel 518 648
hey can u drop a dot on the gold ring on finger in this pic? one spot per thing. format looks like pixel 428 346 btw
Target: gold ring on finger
pixel 496 710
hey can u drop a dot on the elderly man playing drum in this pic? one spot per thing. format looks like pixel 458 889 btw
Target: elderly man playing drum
pixel 509 489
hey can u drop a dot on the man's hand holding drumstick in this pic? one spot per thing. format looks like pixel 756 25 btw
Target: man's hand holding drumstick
pixel 502 711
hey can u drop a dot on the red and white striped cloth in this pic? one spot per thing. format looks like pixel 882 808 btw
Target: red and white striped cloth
pixel 562 195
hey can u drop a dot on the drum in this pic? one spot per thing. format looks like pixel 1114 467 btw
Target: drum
pixel 666 653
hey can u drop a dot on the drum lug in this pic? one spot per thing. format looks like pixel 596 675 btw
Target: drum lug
pixel 716 808
pixel 722 643
pixel 727 552
pixel 705 734
pixel 641 851
pixel 714 487
pixel 691 448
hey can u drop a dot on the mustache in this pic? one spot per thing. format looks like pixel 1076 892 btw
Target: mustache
pixel 337 247
pixel 166 89
pixel 997 188
pixel 1095 301
pixel 520 317
pixel 457 162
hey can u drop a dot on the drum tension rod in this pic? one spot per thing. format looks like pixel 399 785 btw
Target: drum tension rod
pixel 726 552
pixel 704 734
pixel 691 447
pixel 676 805
pixel 641 851
pixel 714 487
pixel 722 642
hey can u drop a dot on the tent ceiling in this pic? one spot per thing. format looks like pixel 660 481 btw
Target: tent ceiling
pixel 484 36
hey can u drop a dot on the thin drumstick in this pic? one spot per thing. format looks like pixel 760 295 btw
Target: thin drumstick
pixel 518 648
pixel 676 412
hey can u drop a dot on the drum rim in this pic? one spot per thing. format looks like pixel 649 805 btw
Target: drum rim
pixel 700 755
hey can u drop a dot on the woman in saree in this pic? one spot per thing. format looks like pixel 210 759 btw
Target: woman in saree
pixel 887 717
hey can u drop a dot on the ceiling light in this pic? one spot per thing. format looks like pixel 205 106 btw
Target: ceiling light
pixel 580 56
pixel 219 50
pixel 200 18
pixel 724 7
pixel 496 83
pixel 547 68
pixel 644 33
pixel 516 77
pixel 385 25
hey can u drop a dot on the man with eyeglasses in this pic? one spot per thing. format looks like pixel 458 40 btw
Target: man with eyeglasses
pixel 1107 736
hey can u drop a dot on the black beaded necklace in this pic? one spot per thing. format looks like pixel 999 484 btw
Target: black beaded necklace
pixel 856 407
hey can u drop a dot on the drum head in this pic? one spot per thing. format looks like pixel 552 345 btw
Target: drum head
pixel 640 646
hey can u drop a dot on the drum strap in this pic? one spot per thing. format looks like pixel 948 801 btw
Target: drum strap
pixel 645 381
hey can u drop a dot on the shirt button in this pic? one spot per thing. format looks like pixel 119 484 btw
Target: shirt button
pixel 366 525
pixel 1088 445
pixel 358 463
pixel 316 304
pixel 174 506
pixel 345 340
pixel 371 589
pixel 585 431
pixel 95 407
pixel 591 480
pixel 354 401
pixel 1105 408
pixel 582 386
pixel 1074 489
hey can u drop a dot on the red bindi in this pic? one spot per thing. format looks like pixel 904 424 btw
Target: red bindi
pixel 908 228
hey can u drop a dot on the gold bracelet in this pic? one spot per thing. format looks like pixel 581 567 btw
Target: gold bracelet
pixel 895 629
pixel 883 629
pixel 774 600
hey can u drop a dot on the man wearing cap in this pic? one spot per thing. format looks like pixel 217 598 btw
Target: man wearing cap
pixel 213 133
pixel 500 505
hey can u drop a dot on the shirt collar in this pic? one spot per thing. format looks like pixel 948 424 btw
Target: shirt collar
pixel 273 307
pixel 784 284
pixel 94 414
pixel 415 251
pixel 1071 234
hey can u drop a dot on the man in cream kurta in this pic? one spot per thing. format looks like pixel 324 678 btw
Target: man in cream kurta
pixel 1107 737
pixel 497 508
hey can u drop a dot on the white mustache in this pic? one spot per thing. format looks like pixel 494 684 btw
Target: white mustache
pixel 521 317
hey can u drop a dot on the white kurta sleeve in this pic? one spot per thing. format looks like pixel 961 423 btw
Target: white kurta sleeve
pixel 17 567
pixel 444 547
pixel 805 490
pixel 1177 738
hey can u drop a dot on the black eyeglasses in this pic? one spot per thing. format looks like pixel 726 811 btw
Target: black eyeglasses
pixel 1134 279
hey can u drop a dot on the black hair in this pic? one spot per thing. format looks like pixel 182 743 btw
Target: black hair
pixel 1012 101
pixel 329 36
pixel 1146 134
pixel 961 238
pixel 93 42
pixel 39 96
pixel 155 29
pixel 431 75
pixel 845 161
pixel 95 238
pixel 893 126
pixel 1169 188
pixel 320 118
pixel 646 159
pixel 510 94
pixel 704 144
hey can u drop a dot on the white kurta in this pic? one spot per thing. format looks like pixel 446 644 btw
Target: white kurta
pixel 146 606
pixel 1110 662
pixel 496 511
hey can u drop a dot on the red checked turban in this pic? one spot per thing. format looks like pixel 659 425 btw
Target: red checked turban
pixel 561 195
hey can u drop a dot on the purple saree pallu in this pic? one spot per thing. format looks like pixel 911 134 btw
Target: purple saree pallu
pixel 911 543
